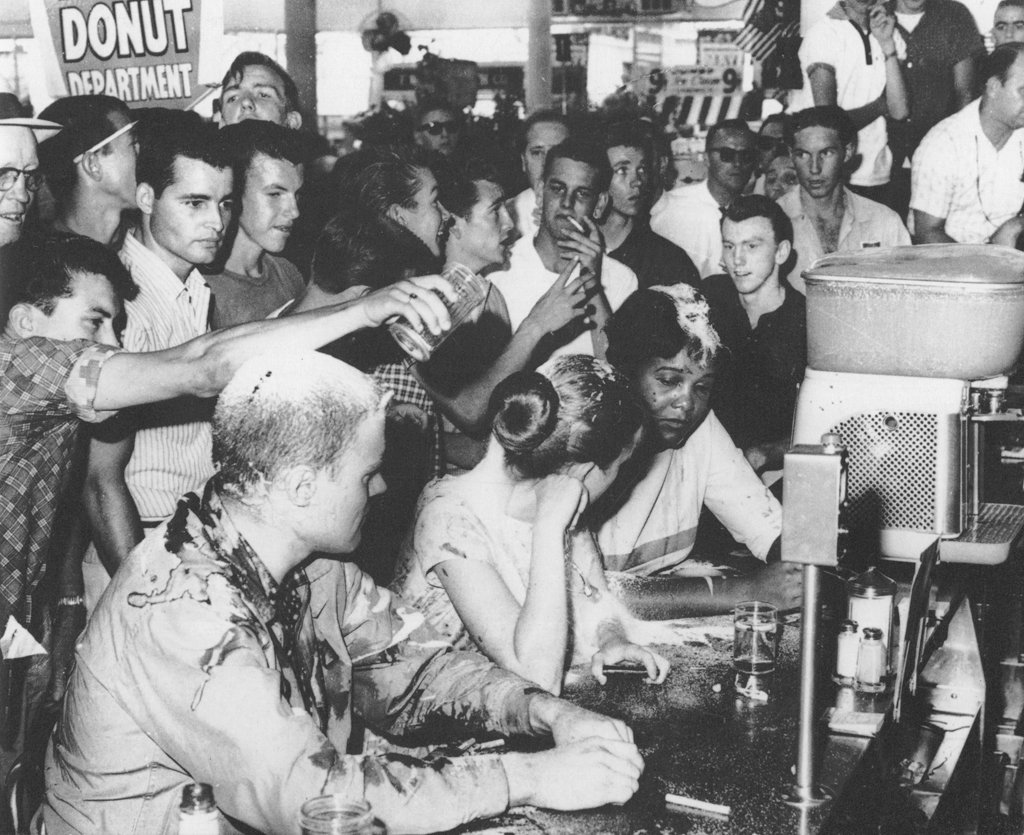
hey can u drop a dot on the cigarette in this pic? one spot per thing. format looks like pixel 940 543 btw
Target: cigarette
pixel 624 670
pixel 577 225
pixel 488 746
pixel 700 805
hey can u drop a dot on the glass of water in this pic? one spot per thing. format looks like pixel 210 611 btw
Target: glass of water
pixel 754 649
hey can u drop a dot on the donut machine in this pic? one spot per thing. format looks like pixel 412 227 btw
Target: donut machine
pixel 908 352
pixel 908 349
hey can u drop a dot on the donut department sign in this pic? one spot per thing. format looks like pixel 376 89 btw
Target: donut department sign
pixel 145 52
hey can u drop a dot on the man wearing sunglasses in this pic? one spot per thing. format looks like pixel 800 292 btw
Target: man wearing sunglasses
pixel 690 215
pixel 90 166
pixel 438 129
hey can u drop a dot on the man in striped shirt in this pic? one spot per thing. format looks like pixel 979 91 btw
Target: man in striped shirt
pixel 141 463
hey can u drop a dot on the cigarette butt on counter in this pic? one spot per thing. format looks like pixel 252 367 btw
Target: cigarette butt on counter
pixel 490 745
pixel 699 805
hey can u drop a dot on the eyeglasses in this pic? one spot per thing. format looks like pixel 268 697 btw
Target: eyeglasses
pixel 9 176
pixel 437 128
pixel 744 156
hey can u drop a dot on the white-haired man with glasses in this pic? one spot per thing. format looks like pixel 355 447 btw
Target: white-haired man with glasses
pixel 967 180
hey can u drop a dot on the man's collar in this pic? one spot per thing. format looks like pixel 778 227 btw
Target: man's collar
pixel 838 12
pixel 243 567
pixel 159 277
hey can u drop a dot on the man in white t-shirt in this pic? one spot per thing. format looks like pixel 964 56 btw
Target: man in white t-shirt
pixel 966 180
pixel 851 58
pixel 574 192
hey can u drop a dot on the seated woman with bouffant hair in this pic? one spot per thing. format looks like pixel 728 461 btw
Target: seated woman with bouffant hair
pixel 497 557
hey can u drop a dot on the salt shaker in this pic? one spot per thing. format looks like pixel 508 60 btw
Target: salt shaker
pixel 871 661
pixel 847 648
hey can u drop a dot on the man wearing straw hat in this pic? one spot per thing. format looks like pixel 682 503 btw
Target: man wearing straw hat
pixel 90 166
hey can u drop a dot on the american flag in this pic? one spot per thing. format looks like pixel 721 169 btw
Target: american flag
pixel 765 22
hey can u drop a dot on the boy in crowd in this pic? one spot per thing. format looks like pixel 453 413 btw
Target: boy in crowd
pixel 140 463
pixel 575 193
pixel 542 130
pixel 826 215
pixel 268 162
pixel 626 227
pixel 761 322
pixel 90 166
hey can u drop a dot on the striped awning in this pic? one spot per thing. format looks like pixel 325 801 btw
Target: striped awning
pixel 704 111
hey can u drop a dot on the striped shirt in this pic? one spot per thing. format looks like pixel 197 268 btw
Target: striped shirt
pixel 173 446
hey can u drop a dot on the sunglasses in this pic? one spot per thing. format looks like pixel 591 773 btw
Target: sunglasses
pixel 9 176
pixel 744 156
pixel 437 128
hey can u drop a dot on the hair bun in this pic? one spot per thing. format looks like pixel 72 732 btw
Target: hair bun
pixel 525 409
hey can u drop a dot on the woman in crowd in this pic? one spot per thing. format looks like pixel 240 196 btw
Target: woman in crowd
pixel 663 341
pixel 389 226
pixel 497 557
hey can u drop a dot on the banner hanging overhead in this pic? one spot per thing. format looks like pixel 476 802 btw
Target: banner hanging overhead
pixel 145 52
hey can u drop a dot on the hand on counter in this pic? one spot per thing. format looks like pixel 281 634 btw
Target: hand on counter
pixel 577 775
pixel 614 653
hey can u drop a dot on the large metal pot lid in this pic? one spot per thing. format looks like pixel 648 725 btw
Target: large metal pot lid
pixel 978 264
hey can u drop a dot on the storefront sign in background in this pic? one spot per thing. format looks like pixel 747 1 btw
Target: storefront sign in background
pixel 145 52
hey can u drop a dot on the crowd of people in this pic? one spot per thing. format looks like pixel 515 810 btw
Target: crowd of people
pixel 202 407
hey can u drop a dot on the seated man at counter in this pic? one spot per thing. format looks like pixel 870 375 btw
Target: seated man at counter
pixel 663 340
pixel 762 325
pixel 221 653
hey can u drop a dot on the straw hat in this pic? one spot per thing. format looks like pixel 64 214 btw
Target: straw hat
pixel 12 115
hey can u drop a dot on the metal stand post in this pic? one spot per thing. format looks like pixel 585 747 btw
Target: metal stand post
pixel 805 792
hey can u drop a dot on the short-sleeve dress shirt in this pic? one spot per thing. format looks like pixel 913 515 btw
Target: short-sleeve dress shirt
pixel 957 174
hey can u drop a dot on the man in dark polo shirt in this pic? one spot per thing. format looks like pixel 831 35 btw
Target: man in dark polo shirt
pixel 762 323
pixel 626 224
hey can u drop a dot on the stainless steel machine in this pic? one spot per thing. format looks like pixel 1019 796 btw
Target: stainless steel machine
pixel 908 349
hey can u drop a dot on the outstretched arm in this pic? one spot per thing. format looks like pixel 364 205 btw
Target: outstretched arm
pixel 561 304
pixel 203 366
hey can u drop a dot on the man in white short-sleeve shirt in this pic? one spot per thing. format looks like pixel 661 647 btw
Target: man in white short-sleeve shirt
pixel 966 178
pixel 574 192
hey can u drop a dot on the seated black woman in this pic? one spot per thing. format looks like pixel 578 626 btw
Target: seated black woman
pixel 662 339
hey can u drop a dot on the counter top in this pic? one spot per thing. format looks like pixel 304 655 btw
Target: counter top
pixel 714 746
